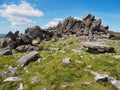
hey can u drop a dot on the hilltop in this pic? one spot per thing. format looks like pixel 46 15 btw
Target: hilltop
pixel 56 59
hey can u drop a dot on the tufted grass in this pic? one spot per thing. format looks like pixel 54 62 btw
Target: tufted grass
pixel 52 74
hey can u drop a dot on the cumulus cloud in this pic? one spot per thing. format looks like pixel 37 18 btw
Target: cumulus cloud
pixel 52 23
pixel 19 14
pixel 77 18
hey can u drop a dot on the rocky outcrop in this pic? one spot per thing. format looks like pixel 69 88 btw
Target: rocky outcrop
pixel 25 60
pixel 85 29
pixel 26 41
pixel 88 26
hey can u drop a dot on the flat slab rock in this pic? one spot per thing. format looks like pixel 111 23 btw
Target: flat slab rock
pixel 12 79
pixel 98 46
pixel 25 60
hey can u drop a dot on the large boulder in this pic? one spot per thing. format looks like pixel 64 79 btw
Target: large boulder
pixel 10 43
pixel 3 43
pixel 25 39
pixel 68 24
pixel 34 32
pixel 25 60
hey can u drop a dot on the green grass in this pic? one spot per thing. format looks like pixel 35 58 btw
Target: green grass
pixel 52 74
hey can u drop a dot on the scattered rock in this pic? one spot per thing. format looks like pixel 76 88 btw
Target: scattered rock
pixel 95 47
pixel 34 80
pixel 25 60
pixel 105 78
pixel 26 69
pixel 78 61
pixel 44 89
pixel 66 60
pixel 12 71
pixel 6 52
pixel 9 79
pixel 39 59
pixel 117 56
pixel 54 39
pixel 21 86
pixel 87 83
pixel 24 48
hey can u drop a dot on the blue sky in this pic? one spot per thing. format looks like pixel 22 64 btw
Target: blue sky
pixel 20 14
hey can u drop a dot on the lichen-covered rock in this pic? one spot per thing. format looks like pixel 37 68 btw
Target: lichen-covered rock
pixel 25 60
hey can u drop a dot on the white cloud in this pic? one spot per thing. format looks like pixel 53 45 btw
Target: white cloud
pixel 77 18
pixel 52 23
pixel 19 14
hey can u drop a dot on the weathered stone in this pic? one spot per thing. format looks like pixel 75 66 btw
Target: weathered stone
pixel 66 61
pixel 54 39
pixel 36 41
pixel 25 60
pixel 6 52
pixel 12 71
pixel 105 78
pixel 21 86
pixel 12 35
pixel 24 48
pixel 3 43
pixel 9 79
pixel 117 56
pixel 34 32
pixel 96 47
pixel 26 39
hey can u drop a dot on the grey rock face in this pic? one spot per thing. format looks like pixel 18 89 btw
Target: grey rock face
pixel 25 39
pixel 34 32
pixel 25 60
pixel 3 43
pixel 96 47
pixel 36 41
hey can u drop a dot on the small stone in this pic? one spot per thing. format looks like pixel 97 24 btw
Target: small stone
pixel 66 60
pixel 87 83
pixel 12 79
pixel 44 89
pixel 89 66
pixel 39 59
pixel 117 56
pixel 78 61
pixel 26 69
pixel 102 78
pixel 21 87
pixel 34 80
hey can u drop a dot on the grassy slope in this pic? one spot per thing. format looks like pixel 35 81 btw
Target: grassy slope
pixel 52 74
